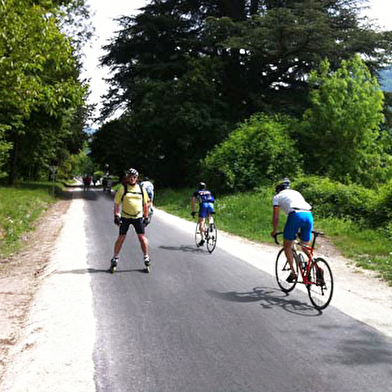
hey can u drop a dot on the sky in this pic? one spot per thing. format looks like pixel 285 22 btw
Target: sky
pixel 105 11
pixel 103 14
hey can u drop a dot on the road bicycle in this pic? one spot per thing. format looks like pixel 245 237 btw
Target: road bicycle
pixel 210 234
pixel 314 272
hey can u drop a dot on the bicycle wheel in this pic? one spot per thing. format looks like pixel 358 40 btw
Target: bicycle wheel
pixel 283 270
pixel 198 236
pixel 211 237
pixel 320 289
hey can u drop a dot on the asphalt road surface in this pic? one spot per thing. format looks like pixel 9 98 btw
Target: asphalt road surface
pixel 214 323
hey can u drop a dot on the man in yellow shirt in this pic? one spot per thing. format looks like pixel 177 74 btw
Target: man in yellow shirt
pixel 134 200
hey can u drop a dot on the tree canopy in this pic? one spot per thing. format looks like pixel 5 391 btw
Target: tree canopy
pixel 341 133
pixel 188 71
pixel 41 98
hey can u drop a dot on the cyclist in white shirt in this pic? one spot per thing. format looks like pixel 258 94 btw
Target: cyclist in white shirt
pixel 299 216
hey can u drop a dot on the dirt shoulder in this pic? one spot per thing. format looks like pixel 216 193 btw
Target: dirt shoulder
pixel 21 274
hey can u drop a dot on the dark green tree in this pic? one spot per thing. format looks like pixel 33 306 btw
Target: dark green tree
pixel 258 55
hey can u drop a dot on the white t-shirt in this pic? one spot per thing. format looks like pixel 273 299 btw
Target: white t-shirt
pixel 290 200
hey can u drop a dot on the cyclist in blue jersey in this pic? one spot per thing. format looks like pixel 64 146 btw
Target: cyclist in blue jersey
pixel 149 187
pixel 206 200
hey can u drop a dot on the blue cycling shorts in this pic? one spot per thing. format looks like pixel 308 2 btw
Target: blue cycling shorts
pixel 206 209
pixel 299 220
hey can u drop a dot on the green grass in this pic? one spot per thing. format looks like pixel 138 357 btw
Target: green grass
pixel 249 215
pixel 19 208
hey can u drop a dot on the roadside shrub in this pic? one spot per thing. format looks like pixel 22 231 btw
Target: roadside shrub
pixel 258 151
pixel 382 213
pixel 334 199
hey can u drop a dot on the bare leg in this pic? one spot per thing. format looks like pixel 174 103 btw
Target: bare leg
pixel 118 245
pixel 201 225
pixel 289 254
pixel 143 243
pixel 210 219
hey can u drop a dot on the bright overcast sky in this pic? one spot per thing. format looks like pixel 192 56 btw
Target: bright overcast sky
pixel 104 11
pixel 103 14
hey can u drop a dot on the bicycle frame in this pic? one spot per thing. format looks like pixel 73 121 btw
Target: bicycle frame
pixel 209 233
pixel 317 276
pixel 309 252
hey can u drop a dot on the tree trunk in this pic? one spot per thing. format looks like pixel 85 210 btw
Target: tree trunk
pixel 234 9
pixel 13 162
pixel 254 7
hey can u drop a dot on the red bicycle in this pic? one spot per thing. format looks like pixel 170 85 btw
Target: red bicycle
pixel 313 272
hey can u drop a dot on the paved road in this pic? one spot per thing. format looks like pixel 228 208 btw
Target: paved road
pixel 214 323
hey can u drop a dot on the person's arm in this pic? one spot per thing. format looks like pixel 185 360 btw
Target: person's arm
pixel 117 209
pixel 193 204
pixel 117 202
pixel 275 220
pixel 146 204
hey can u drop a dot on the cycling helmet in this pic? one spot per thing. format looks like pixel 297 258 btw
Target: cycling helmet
pixel 201 186
pixel 132 172
pixel 285 184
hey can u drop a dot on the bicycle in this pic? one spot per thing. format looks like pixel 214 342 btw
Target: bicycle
pixel 210 235
pixel 315 273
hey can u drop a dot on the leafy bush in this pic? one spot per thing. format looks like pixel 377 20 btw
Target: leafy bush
pixel 334 199
pixel 258 151
pixel 340 133
pixel 382 212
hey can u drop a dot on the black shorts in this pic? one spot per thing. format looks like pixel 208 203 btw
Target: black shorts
pixel 137 224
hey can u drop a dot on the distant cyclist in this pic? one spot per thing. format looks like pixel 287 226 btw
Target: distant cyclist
pixel 149 187
pixel 206 200
pixel 299 216
pixel 134 200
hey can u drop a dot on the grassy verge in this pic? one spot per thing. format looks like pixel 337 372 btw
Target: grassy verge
pixel 19 208
pixel 249 215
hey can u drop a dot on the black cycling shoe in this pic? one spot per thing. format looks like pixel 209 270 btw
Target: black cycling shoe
pixel 291 278
pixel 320 277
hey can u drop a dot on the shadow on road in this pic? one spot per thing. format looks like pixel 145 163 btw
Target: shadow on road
pixel 97 271
pixel 77 192
pixel 269 298
pixel 184 248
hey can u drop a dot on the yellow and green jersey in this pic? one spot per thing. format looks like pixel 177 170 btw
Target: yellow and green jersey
pixel 132 202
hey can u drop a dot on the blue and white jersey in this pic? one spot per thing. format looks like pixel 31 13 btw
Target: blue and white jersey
pixel 149 187
pixel 204 196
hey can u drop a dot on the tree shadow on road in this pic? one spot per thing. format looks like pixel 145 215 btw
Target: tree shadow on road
pixel 184 248
pixel 269 298
pixel 83 271
pixel 79 193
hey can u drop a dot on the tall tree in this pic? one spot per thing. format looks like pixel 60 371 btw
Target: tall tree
pixel 39 77
pixel 341 134
pixel 260 54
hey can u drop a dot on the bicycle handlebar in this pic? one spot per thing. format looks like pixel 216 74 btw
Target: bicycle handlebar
pixel 276 237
